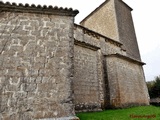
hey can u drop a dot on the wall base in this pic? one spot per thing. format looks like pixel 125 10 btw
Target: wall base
pixel 62 118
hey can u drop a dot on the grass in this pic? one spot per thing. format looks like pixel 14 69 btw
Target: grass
pixel 135 113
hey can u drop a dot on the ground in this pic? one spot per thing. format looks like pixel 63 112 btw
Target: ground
pixel 135 113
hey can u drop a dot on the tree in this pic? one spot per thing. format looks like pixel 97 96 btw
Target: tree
pixel 154 87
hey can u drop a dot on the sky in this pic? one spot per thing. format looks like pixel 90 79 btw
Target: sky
pixel 146 17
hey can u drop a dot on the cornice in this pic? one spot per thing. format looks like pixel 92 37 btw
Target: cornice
pixel 26 8
pixel 126 58
pixel 97 35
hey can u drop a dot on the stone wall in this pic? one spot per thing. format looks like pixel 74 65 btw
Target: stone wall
pixel 121 83
pixel 126 82
pixel 36 63
pixel 92 38
pixel 126 29
pixel 103 20
pixel 50 66
pixel 86 84
pixel 89 84
pixel 113 19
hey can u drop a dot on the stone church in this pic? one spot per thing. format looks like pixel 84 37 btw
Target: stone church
pixel 51 67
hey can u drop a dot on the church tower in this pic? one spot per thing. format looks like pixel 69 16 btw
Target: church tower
pixel 113 19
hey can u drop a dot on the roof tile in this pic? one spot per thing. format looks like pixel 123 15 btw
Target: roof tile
pixel 37 9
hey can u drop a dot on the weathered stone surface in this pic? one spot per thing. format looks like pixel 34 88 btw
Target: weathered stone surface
pixel 36 66
pixel 86 84
pixel 127 87
pixel 113 19
pixel 103 20
pixel 50 67
pixel 125 25
pixel 123 82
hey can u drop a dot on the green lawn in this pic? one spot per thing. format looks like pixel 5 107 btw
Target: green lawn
pixel 135 113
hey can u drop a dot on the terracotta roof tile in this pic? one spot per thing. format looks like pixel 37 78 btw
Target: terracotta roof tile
pixel 7 6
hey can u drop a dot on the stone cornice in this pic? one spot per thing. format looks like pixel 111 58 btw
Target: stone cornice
pixel 126 58
pixel 97 35
pixel 13 7
pixel 86 45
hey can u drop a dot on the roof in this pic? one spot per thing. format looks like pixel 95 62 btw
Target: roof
pixel 105 2
pixel 26 8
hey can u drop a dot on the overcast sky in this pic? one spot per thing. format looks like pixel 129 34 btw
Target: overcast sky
pixel 146 16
